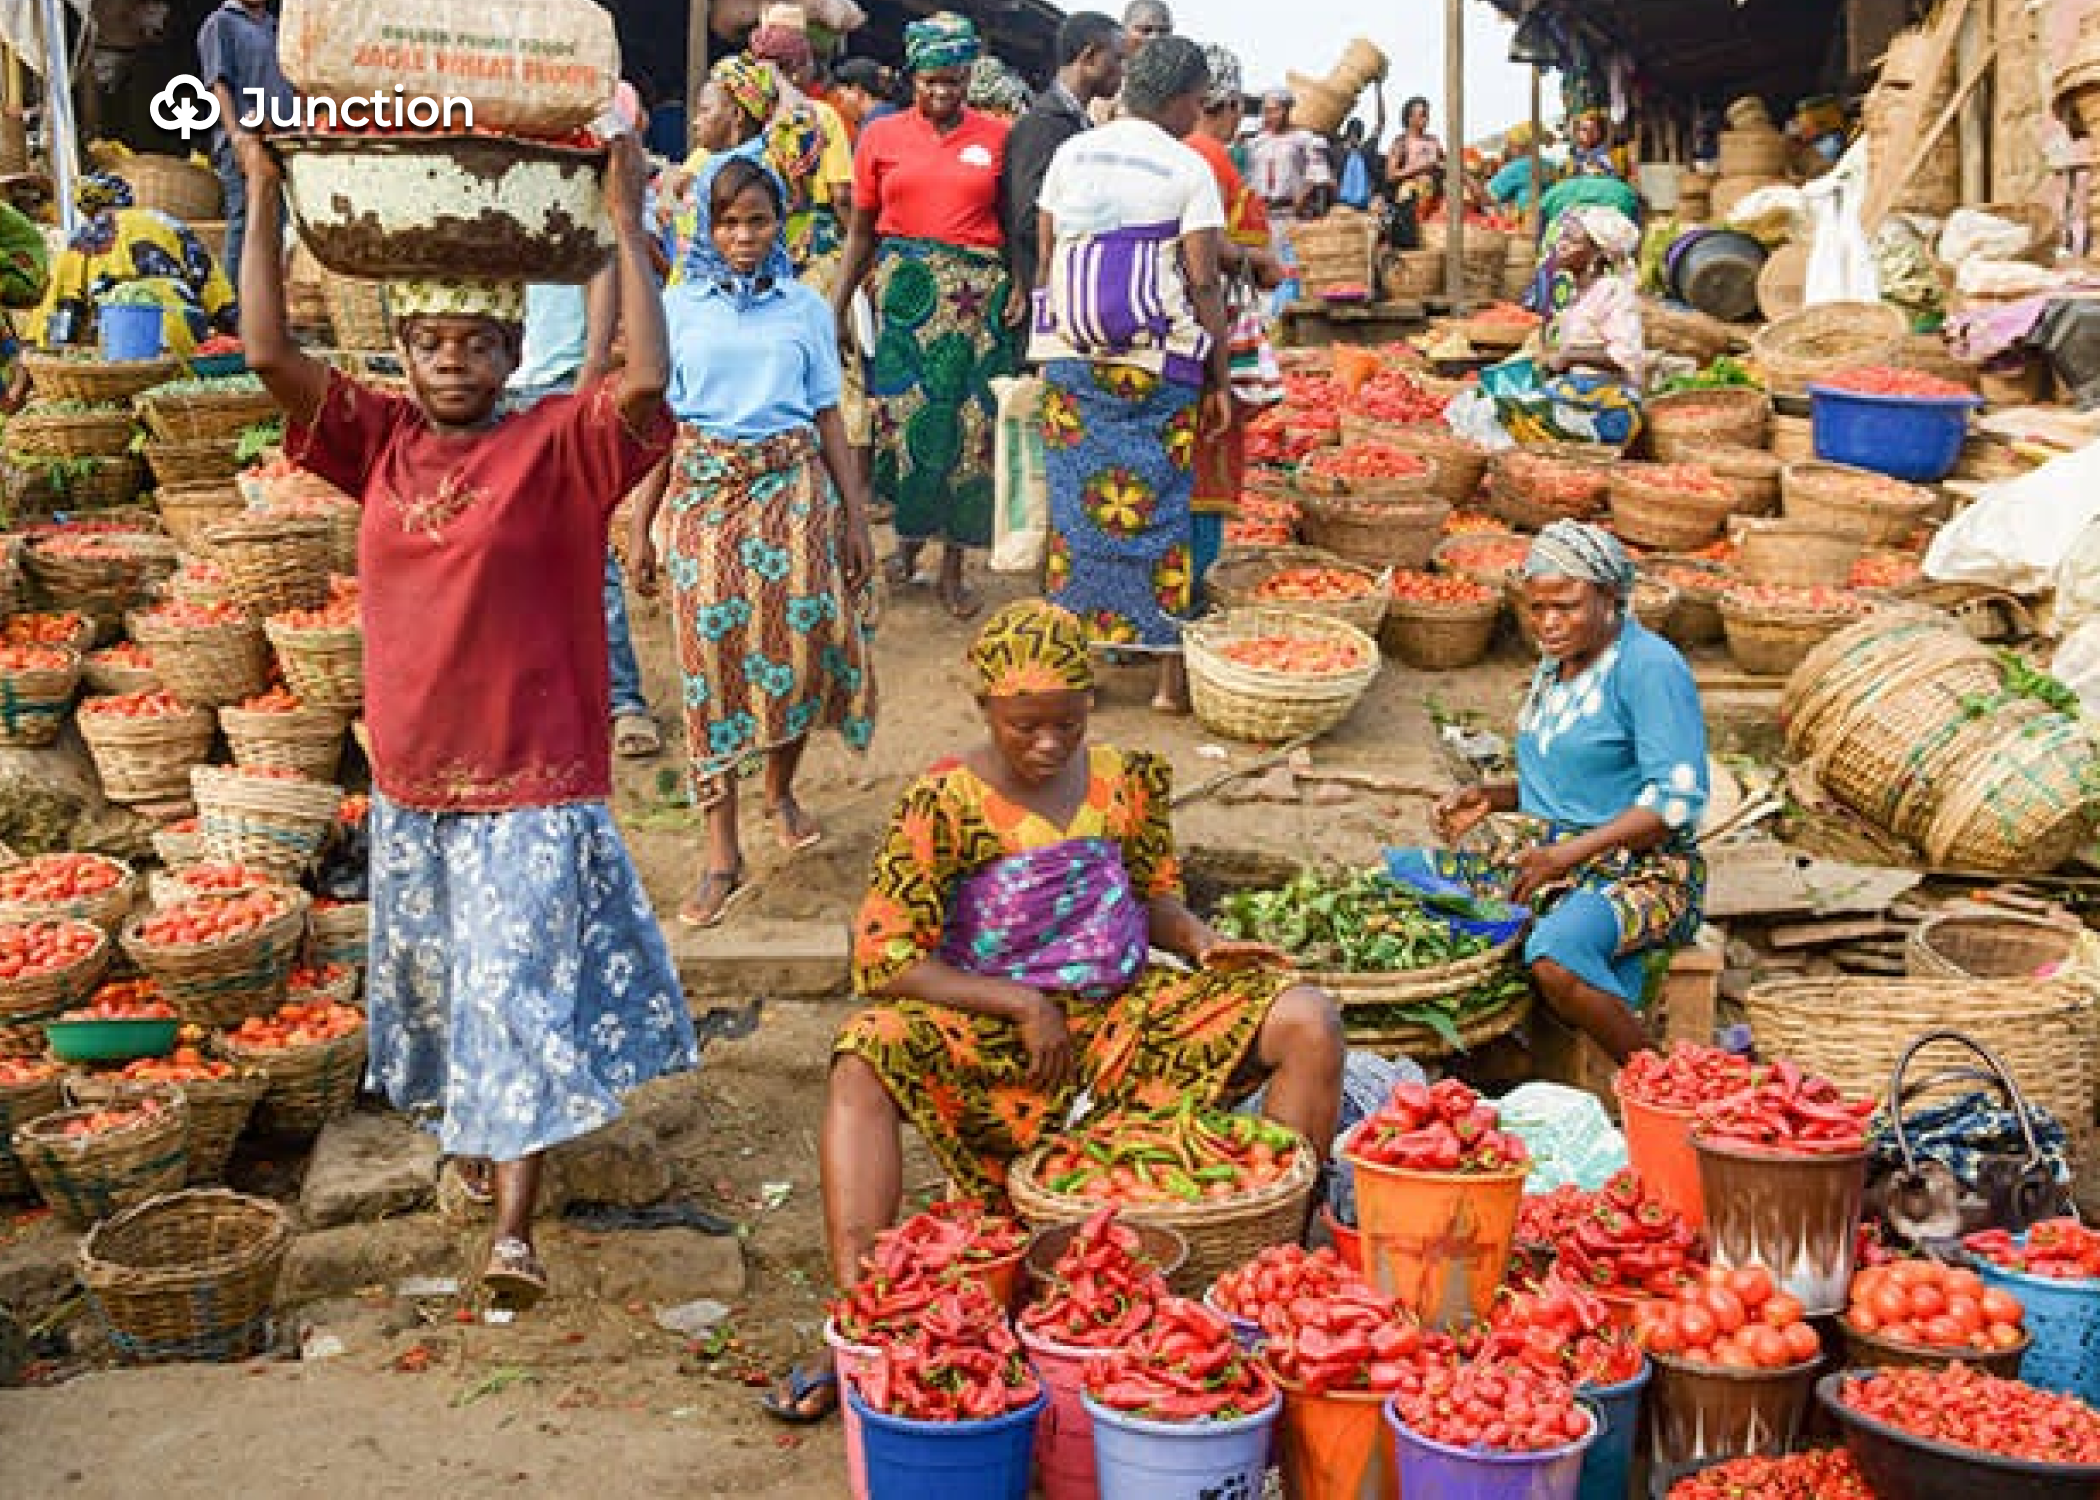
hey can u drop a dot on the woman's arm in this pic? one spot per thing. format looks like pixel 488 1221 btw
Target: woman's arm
pixel 1635 830
pixel 296 381
pixel 1040 1019
pixel 854 262
pixel 1199 252
pixel 646 375
pixel 842 462
pixel 641 526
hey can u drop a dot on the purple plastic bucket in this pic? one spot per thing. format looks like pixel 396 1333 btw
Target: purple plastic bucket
pixel 1432 1468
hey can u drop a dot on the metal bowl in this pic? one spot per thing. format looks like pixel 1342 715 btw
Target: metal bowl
pixel 407 206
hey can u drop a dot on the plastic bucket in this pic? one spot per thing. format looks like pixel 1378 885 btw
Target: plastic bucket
pixel 982 1460
pixel 1438 1242
pixel 1917 438
pixel 1794 1213
pixel 1334 1447
pixel 1702 1415
pixel 851 1360
pixel 1659 1147
pixel 1138 1459
pixel 129 331
pixel 1348 1243
pixel 2063 1325
pixel 1430 1468
pixel 1064 1439
pixel 1607 1468
pixel 1245 1331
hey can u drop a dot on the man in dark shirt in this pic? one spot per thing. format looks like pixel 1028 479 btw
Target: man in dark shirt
pixel 237 52
pixel 1090 51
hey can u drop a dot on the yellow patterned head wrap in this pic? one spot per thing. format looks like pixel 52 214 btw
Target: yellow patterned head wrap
pixel 457 297
pixel 1032 647
pixel 751 83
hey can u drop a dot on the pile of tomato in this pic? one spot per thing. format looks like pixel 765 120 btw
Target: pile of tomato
pixel 48 945
pixel 1885 380
pixel 1509 313
pixel 127 654
pixel 353 810
pixel 1476 555
pixel 59 877
pixel 2060 1249
pixel 1818 599
pixel 1819 1474
pixel 16 1072
pixel 1370 459
pixel 1684 1078
pixel 1962 1406
pixel 338 612
pixel 1495 1408
pixel 278 700
pixel 1738 1319
pixel 1412 587
pixel 1885 570
pixel 1314 585
pixel 124 1000
pixel 1786 1110
pixel 1440 1127
pixel 200 575
pixel 1102 1290
pixel 1264 520
pixel 1391 396
pixel 1184 1367
pixel 88 546
pixel 1297 656
pixel 296 1025
pixel 36 658
pixel 307 980
pixel 1690 580
pixel 158 704
pixel 1474 523
pixel 215 878
pixel 114 1117
pixel 1937 1306
pixel 213 919
pixel 1695 480
pixel 47 628
pixel 183 1065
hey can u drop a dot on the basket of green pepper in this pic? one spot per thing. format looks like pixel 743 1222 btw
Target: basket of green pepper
pixel 69 429
pixel 219 406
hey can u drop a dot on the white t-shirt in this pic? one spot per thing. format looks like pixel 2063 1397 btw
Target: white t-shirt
pixel 1127 173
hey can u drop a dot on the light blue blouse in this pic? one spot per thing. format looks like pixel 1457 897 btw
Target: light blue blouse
pixel 751 366
pixel 1627 732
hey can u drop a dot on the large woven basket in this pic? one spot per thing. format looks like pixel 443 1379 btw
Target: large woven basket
pixel 173 185
pixel 189 510
pixel 34 700
pixel 1751 472
pixel 1649 512
pixel 324 665
pixel 19 1104
pixel 1267 707
pixel 263 822
pixel 275 563
pixel 1221 1233
pixel 1356 994
pixel 1836 670
pixel 187 1276
pixel 29 997
pixel 88 1178
pixel 1668 329
pixel 1880 511
pixel 206 665
pixel 1773 641
pixel 1335 251
pixel 47 487
pixel 36 433
pixel 1414 274
pixel 1376 533
pixel 220 1109
pixel 1533 489
pixel 205 416
pixel 1435 637
pixel 1795 554
pixel 1811 343
pixel 2022 803
pixel 72 377
pixel 115 573
pixel 146 760
pixel 340 934
pixel 309 1086
pixel 1852 1031
pixel 1696 619
pixel 1460 464
pixel 1391 488
pixel 306 740
pixel 106 909
pixel 210 461
pixel 342 514
pixel 1740 418
pixel 179 845
pixel 1988 945
pixel 224 983
pixel 1236 582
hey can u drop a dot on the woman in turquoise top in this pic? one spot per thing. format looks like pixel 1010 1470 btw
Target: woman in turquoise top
pixel 768 546
pixel 1596 834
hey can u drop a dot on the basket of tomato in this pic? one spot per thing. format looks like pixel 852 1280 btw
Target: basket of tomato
pixel 1491 558
pixel 322 650
pixel 265 817
pixel 1460 463
pixel 126 667
pixel 1438 622
pixel 1270 675
pixel 204 877
pixel 144 744
pixel 90 887
pixel 1301 579
pixel 36 688
pixel 29 1087
pixel 1669 507
pixel 1923 1312
pixel 274 563
pixel 313 1055
pixel 1771 628
pixel 221 958
pixel 48 964
pixel 339 932
pixel 1696 619
pixel 1533 489
pixel 275 729
pixel 1955 1433
pixel 102 573
pixel 92 1161
pixel 205 654
pixel 1879 510
pixel 221 1096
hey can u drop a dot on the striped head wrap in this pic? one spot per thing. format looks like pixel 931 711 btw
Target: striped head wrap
pixel 751 84
pixel 1031 646
pixel 1227 83
pixel 1576 549
pixel 457 297
pixel 942 40
pixel 100 190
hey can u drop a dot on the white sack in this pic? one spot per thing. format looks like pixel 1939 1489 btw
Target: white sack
pixel 2018 534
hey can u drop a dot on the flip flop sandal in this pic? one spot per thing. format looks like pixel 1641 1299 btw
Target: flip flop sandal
pixel 801 1386
pixel 962 602
pixel 476 1181
pixel 697 914
pixel 636 737
pixel 514 1278
pixel 788 815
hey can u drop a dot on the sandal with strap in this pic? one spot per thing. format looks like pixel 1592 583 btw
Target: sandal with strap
pixel 515 1278
pixel 796 829
pixel 790 1400
pixel 720 890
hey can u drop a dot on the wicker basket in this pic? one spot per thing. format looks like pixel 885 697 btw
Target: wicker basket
pixel 1335 251
pixel 220 1109
pixel 275 563
pixel 35 434
pixel 1830 336
pixel 1793 554
pixel 1684 331
pixel 1696 619
pixel 187 1276
pixel 1235 582
pixel 172 887
pixel 1836 671
pixel 1495 335
pixel 206 416
pixel 70 377
pixel 1880 511
pixel 1431 986
pixel 224 983
pixel 33 997
pixel 340 934
pixel 212 461
pixel 1221 1233
pixel 1751 153
pixel 191 509
pixel 147 760
pixel 1376 533
pixel 1532 488
pixel 179 847
pixel 19 1104
pixel 93 1177
pixel 1390 488
pixel 1793 438
pixel 47 487
pixel 1440 637
pixel 206 665
pixel 2021 803
pixel 1413 275
pixel 173 185
pixel 263 822
pixel 1817 823
pixel 309 1086
pixel 1264 706
pixel 343 516
pixel 120 571
pixel 1751 472
pixel 1458 555
pixel 306 740
pixel 34 701
pixel 1740 418
pixel 357 313
pixel 106 909
pixel 1649 513
pixel 323 665
pixel 1773 641
pixel 1988 945
pixel 1459 464
pixel 1853 1030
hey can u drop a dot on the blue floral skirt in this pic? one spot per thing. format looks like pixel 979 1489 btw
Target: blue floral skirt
pixel 519 982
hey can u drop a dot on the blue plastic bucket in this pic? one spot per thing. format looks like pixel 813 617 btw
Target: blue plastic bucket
pixel 1607 1469
pixel 2064 1319
pixel 1137 1459
pixel 1433 1468
pixel 981 1460
pixel 129 331
pixel 1917 438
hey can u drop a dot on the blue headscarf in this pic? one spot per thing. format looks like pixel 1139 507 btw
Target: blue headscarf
pixel 703 266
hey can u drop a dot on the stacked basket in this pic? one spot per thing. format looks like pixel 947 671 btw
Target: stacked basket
pixel 1825 338
pixel 1533 489
pixel 1268 706
pixel 1880 511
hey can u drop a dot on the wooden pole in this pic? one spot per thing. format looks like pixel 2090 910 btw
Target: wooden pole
pixel 1455 154
pixel 1976 113
pixel 697 46
pixel 1538 152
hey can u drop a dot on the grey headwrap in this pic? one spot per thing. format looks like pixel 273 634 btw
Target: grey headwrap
pixel 1226 83
pixel 1575 549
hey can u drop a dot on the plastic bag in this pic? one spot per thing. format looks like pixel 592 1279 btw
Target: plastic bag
pixel 1841 262
pixel 1572 1139
pixel 1471 414
pixel 2077 665
pixel 1972 234
pixel 1021 493
pixel 2018 533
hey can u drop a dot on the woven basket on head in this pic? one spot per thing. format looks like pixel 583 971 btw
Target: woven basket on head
pixel 220 1109
pixel 34 700
pixel 323 665
pixel 206 665
pixel 88 1178
pixel 36 433
pixel 275 564
pixel 107 909
pixel 1739 417
pixel 205 416
pixel 146 759
pixel 187 1276
pixel 71 377
pixel 1880 511
pixel 268 823
pixel 1772 640
pixel 1376 533
pixel 306 740
pixel 1793 554
pixel 222 983
pixel 1650 511
pixel 309 1086
pixel 1264 705
pixel 1829 336
pixel 1440 637
pixel 1243 580
pixel 29 997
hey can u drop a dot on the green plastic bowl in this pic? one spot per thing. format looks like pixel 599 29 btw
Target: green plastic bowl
pixel 112 1041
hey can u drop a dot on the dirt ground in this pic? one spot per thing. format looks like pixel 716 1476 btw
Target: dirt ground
pixel 586 1393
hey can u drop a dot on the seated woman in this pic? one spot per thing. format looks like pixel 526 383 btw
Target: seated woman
pixel 1004 943
pixel 1592 360
pixel 118 244
pixel 1596 833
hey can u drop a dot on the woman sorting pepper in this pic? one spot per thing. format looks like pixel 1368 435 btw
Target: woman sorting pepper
pixel 1596 834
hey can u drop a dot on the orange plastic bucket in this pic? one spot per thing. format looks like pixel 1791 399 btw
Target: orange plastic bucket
pixel 1348 1244
pixel 1437 1242
pixel 1335 1447
pixel 1659 1147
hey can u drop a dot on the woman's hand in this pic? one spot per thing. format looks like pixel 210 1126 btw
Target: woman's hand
pixel 258 163
pixel 1229 955
pixel 856 555
pixel 1539 867
pixel 641 555
pixel 1458 813
pixel 1041 1021
pixel 1216 417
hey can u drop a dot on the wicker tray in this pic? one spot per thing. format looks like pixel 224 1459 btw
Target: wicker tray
pixel 187 1276
pixel 1739 418
pixel 205 416
pixel 19 1104
pixel 1375 533
pixel 34 434
pixel 1794 554
pixel 88 1178
pixel 275 563
pixel 67 377
pixel 32 997
pixel 1264 706
pixel 222 984
pixel 147 760
pixel 1880 511
pixel 106 909
pixel 219 1111
pixel 1799 348
pixel 261 822
pixel 1652 514
pixel 306 740
pixel 1439 637
pixel 1773 642
pixel 206 665
pixel 34 701
pixel 1988 945
pixel 309 1086
pixel 1236 580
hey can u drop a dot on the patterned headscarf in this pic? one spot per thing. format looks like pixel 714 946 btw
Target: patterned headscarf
pixel 1614 235
pixel 782 37
pixel 1227 83
pixel 1032 647
pixel 457 297
pixel 995 86
pixel 102 190
pixel 703 265
pixel 942 40
pixel 1576 549
pixel 750 83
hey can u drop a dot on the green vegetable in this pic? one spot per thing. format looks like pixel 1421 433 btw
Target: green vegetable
pixel 2023 679
pixel 242 384
pixel 1720 375
pixel 259 438
pixel 130 294
pixel 69 407
pixel 1356 923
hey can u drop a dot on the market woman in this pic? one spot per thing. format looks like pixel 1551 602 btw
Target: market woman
pixel 1592 357
pixel 926 222
pixel 519 983
pixel 1596 834
pixel 120 250
pixel 768 539
pixel 1414 166
pixel 1003 946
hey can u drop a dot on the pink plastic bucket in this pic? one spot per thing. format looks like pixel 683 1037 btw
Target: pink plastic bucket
pixel 1064 1438
pixel 851 1360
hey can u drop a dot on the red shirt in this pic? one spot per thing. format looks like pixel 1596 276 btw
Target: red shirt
pixel 483 585
pixel 923 185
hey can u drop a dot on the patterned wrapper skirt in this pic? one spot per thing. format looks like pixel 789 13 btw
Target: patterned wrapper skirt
pixel 519 982
pixel 942 339
pixel 769 645
pixel 962 1080
pixel 1119 446
pixel 1573 408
